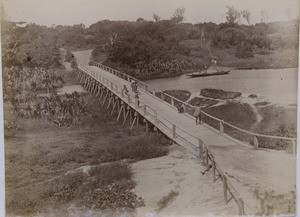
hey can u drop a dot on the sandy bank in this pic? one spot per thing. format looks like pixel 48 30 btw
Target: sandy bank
pixel 179 172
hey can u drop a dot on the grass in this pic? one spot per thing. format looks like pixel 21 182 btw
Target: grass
pixel 43 161
pixel 277 121
pixel 166 200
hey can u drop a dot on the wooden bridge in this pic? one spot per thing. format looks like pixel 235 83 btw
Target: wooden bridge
pixel 239 166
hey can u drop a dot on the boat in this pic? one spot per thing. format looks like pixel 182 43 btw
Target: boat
pixel 204 74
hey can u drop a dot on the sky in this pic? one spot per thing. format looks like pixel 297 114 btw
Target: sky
pixel 70 12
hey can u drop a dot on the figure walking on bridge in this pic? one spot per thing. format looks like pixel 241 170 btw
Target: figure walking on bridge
pixel 134 86
pixel 197 113
pixel 125 90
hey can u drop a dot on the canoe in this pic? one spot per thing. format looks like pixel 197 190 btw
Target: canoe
pixel 208 74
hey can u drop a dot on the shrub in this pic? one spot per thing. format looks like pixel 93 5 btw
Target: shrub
pixel 219 94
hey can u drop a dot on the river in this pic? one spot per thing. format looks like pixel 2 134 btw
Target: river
pixel 277 85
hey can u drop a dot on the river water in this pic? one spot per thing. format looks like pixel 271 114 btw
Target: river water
pixel 277 85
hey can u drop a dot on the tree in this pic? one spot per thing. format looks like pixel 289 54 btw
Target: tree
pixel 178 15
pixel 246 15
pixel 263 16
pixel 232 15
pixel 156 18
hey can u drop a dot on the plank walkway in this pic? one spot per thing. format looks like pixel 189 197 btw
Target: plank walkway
pixel 247 169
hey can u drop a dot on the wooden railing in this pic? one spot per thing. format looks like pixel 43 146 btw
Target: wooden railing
pixel 174 132
pixel 188 107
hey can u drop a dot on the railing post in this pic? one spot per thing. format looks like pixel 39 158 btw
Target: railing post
pixel 214 170
pixel 225 187
pixel 221 126
pixel 162 96
pixel 174 131
pixel 294 147
pixel 240 203
pixel 145 110
pixel 255 142
pixel 172 101
pixel 200 148
pixel 206 158
pixel 146 88
pixel 155 117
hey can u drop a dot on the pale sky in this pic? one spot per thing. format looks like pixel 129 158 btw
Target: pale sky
pixel 69 12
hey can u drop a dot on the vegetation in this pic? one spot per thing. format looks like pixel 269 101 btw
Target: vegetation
pixel 86 164
pixel 158 48
pixel 203 102
pixel 166 200
pixel 219 94
pixel 182 95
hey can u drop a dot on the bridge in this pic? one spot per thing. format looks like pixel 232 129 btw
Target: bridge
pixel 240 167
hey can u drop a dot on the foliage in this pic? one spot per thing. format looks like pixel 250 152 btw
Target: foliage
pixel 178 15
pixel 219 94
pixel 232 15
pixel 20 85
pixel 156 17
pixel 244 50
pixel 166 200
pixel 246 15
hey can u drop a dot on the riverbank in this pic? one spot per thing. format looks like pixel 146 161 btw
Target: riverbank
pixel 262 59
pixel 249 112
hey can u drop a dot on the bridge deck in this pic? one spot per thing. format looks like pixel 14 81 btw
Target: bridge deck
pixel 246 168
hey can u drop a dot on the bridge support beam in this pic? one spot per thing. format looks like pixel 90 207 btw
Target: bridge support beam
pixel 115 102
pixel 120 111
pixel 134 120
pixel 107 93
pixel 127 113
pixel 147 124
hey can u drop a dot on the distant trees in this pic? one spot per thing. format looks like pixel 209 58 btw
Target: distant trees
pixel 246 15
pixel 178 15
pixel 156 18
pixel 232 15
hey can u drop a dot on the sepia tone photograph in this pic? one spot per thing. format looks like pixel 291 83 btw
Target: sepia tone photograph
pixel 149 108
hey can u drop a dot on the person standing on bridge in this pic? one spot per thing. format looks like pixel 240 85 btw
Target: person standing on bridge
pixel 125 90
pixel 197 113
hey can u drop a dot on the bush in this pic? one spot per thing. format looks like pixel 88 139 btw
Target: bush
pixel 219 94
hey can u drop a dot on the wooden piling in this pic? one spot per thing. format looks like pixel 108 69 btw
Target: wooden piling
pixel 225 188
pixel 240 204
pixel 200 143
pixel 255 142
pixel 221 127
